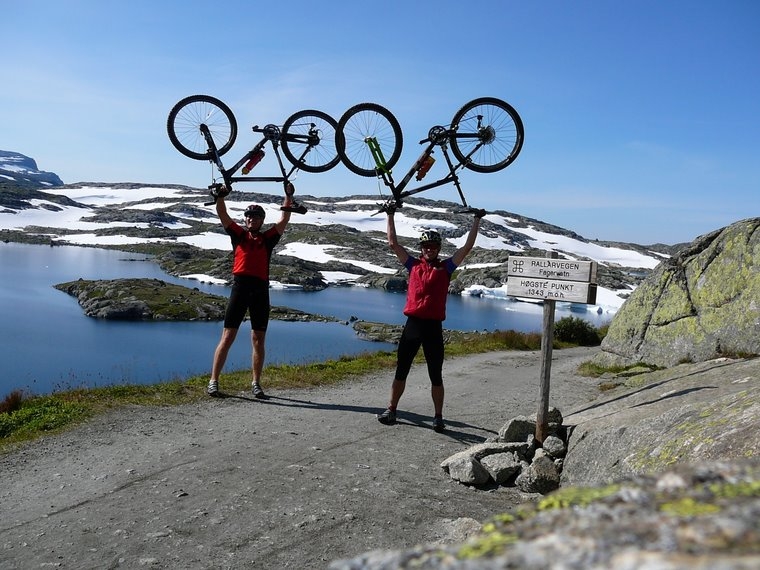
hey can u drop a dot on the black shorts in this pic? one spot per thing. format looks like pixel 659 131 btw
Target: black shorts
pixel 248 294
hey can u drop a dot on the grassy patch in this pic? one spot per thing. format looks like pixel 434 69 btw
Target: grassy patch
pixel 310 375
pixel 595 371
pixel 40 415
pixel 461 343
pixel 24 419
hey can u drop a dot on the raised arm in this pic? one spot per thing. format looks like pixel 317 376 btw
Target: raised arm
pixel 462 252
pixel 285 216
pixel 395 246
pixel 221 211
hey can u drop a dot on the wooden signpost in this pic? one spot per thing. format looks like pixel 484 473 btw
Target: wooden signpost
pixel 550 279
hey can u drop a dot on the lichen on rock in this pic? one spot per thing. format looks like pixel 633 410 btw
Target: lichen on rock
pixel 701 304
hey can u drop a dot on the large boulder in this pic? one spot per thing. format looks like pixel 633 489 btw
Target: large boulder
pixel 698 305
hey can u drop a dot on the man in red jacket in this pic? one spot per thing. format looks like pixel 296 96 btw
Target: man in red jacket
pixel 250 286
pixel 425 309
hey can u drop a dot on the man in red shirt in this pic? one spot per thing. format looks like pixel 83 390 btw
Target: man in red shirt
pixel 250 285
pixel 425 309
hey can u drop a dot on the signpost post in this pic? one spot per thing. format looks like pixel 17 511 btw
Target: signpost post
pixel 550 279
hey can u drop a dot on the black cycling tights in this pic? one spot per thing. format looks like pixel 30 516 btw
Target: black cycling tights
pixel 428 334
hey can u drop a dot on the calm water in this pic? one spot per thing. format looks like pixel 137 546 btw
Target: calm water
pixel 48 343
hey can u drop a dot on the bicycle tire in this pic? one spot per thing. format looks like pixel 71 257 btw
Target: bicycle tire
pixel 184 126
pixel 319 158
pixel 500 134
pixel 356 125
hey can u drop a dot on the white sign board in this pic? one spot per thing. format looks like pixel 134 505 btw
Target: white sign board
pixel 552 289
pixel 552 279
pixel 546 268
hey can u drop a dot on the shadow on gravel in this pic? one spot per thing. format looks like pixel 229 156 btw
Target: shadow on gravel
pixel 459 431
pixel 405 419
pixel 453 428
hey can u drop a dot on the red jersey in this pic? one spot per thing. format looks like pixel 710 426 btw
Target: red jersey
pixel 252 251
pixel 428 287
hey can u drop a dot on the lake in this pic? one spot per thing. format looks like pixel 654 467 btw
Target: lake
pixel 49 344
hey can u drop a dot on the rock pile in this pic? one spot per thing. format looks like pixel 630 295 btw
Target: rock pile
pixel 514 457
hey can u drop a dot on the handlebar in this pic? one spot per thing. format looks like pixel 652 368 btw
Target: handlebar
pixel 391 205
pixel 477 212
pixel 217 189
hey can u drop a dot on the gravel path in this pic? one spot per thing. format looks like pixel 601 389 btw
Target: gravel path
pixel 299 480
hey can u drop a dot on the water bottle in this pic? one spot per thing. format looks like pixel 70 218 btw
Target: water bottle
pixel 254 160
pixel 424 167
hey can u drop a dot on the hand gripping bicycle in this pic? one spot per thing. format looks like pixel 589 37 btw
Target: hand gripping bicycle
pixel 485 135
pixel 203 128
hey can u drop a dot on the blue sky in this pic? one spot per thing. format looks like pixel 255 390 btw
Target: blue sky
pixel 642 118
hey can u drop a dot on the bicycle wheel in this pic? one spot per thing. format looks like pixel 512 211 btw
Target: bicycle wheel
pixel 313 133
pixel 488 134
pixel 184 126
pixel 363 121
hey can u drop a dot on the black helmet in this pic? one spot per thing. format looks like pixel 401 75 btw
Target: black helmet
pixel 254 211
pixel 430 236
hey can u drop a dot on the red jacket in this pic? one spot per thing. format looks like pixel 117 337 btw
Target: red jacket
pixel 428 288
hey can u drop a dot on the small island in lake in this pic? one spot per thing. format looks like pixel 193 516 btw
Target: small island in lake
pixel 156 300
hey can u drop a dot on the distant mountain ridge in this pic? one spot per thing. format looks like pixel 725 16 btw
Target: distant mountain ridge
pixel 16 167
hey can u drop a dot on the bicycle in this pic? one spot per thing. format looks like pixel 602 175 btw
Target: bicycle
pixel 202 127
pixel 485 135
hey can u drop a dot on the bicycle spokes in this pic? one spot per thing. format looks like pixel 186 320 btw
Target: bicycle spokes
pixel 184 126
pixel 488 135
pixel 309 141
pixel 368 121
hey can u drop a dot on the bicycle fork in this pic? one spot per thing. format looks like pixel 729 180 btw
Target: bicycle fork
pixel 381 166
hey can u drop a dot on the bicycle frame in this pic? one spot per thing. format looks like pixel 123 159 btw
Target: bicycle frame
pixel 271 134
pixel 438 137
pixel 485 135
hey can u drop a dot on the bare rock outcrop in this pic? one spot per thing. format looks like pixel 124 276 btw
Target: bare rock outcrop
pixel 698 305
